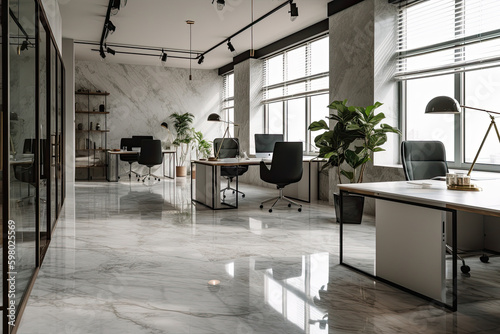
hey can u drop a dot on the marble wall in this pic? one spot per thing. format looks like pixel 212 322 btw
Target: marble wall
pixel 142 97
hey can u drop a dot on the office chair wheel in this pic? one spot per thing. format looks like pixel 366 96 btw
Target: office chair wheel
pixel 118 177
pixel 233 191
pixel 261 206
pixel 243 196
pixel 300 209
pixel 484 258
pixel 289 205
pixel 223 196
pixel 465 269
pixel 270 210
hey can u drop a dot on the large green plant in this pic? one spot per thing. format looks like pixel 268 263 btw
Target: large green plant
pixel 355 136
pixel 201 145
pixel 182 126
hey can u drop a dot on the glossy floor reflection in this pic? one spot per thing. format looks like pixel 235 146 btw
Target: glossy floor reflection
pixel 133 259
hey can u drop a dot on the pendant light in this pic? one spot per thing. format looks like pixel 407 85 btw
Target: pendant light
pixel 190 23
pixel 252 52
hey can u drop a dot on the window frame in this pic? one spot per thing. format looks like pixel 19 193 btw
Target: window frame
pixel 307 94
pixel 459 89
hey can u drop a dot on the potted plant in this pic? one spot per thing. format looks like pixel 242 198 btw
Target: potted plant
pixel 182 126
pixel 349 146
pixel 201 146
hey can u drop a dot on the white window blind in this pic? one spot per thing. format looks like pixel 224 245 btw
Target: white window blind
pixel 447 36
pixel 228 93
pixel 298 72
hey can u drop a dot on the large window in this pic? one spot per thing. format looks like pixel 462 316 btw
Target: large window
pixel 295 91
pixel 452 48
pixel 228 101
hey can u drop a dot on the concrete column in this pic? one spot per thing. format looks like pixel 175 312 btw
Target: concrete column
pixel 248 111
pixel 362 63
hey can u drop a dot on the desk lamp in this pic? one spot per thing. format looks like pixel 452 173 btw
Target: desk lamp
pixel 448 105
pixel 216 118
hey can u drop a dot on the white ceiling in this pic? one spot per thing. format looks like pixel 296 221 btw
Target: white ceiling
pixel 161 23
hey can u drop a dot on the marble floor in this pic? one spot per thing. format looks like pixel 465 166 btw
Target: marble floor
pixel 127 258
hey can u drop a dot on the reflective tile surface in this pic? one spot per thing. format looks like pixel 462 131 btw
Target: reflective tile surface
pixel 128 258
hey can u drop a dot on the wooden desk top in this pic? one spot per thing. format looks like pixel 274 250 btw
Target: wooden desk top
pixel 136 152
pixel 246 162
pixel 484 202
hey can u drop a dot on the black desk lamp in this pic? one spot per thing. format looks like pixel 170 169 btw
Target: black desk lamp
pixel 216 118
pixel 448 105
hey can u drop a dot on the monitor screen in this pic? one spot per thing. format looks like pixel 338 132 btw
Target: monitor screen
pixel 264 144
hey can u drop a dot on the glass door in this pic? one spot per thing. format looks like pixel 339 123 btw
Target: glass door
pixel 42 133
pixel 23 176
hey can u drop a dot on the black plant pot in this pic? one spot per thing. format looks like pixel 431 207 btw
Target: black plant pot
pixel 353 208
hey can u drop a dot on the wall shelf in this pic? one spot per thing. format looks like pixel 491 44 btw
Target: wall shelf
pixel 91 112
pixel 90 157
pixel 91 93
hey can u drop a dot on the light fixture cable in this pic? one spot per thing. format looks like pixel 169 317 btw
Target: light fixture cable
pixel 252 52
pixel 190 23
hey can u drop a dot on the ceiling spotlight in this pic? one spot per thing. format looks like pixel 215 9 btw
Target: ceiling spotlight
pixel 230 46
pixel 220 4
pixel 101 52
pixel 163 56
pixel 294 11
pixel 115 6
pixel 24 46
pixel 111 27
pixel 201 59
pixel 110 50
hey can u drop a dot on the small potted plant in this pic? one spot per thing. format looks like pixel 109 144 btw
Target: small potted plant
pixel 182 126
pixel 202 147
pixel 349 146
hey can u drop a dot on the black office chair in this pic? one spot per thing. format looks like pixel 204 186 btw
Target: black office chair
pixel 150 156
pixel 423 160
pixel 26 172
pixel 286 168
pixel 130 158
pixel 230 149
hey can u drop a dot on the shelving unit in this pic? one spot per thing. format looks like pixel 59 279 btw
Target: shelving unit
pixel 91 135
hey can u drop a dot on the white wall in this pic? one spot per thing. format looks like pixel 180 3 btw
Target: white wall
pixel 142 97
pixel 53 13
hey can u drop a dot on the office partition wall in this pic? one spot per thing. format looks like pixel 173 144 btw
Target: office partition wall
pixel 31 149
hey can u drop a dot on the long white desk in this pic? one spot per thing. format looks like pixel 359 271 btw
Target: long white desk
pixel 410 228
pixel 208 179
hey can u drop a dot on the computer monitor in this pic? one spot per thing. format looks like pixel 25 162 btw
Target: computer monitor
pixel 264 144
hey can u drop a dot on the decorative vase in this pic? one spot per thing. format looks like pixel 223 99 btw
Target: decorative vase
pixel 180 171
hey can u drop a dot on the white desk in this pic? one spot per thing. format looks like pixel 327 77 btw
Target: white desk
pixel 411 232
pixel 207 190
pixel 112 175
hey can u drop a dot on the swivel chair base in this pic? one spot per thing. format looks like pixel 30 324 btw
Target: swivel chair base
pixel 148 177
pixel 130 172
pixel 277 199
pixel 223 191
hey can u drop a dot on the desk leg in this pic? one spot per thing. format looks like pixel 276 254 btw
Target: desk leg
pixel 409 252
pixel 171 165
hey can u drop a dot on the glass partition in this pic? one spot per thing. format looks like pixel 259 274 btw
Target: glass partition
pixel 53 133
pixel 43 135
pixel 23 180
